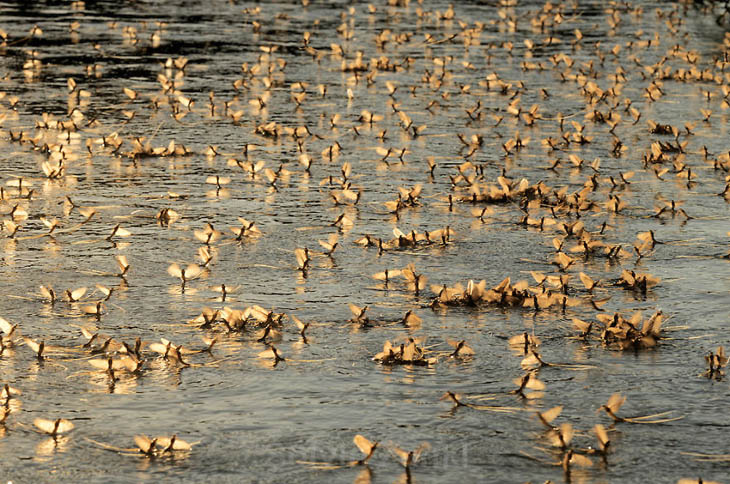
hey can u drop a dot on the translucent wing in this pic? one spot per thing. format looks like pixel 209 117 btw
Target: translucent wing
pixel 177 444
pixel 400 454
pixel 602 435
pixel 158 348
pixel 88 334
pixel 298 322
pixel 6 327
pixel 64 426
pixel 356 310
pixel 144 443
pixel 581 325
pixel 258 313
pixel 412 320
pixel 580 461
pixel 45 425
pixel 122 262
pixel 100 364
pixel 77 294
pixel 217 180
pixel 466 350
pixel 87 212
pixel 363 444
pixel 420 450
pixel 586 280
pixel 519 339
pixel 615 402
pixel 410 353
pixel 566 430
pixel 301 256
pixel 175 271
pixel 551 414
pixel 32 345
pixel 9 391
pixel 192 271
pixel 106 291
pixel 92 309
pixel 47 293
pixel 52 427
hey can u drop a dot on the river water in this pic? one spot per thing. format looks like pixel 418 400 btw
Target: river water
pixel 457 71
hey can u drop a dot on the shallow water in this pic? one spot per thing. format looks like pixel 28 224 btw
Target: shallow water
pixel 254 422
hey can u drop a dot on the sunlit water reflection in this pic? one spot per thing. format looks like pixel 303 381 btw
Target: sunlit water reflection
pixel 253 420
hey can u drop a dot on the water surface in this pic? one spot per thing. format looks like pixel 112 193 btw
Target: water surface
pixel 255 422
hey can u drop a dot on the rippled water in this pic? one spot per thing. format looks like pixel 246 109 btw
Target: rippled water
pixel 252 421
